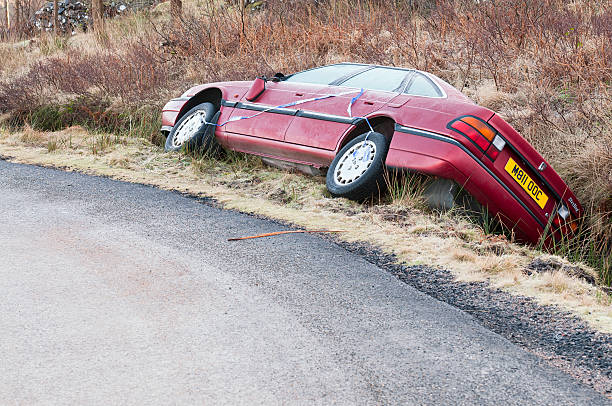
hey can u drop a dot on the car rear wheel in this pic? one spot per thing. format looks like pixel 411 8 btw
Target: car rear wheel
pixel 193 130
pixel 357 171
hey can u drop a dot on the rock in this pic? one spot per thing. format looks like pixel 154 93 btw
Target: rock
pixel 73 14
pixel 542 264
pixel 579 272
pixel 551 264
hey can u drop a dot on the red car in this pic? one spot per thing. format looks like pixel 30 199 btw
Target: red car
pixel 357 119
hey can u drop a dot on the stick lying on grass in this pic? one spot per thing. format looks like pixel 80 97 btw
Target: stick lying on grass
pixel 284 232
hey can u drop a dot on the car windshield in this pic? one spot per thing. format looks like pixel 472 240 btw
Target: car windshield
pixel 421 85
pixel 325 74
pixel 386 79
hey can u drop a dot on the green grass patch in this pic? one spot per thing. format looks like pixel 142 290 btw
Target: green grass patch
pixel 95 115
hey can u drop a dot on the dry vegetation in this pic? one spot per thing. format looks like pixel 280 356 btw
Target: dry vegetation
pixel 544 65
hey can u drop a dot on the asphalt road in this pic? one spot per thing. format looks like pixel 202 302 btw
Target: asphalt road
pixel 115 293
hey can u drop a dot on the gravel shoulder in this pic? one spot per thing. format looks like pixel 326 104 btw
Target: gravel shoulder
pixel 556 336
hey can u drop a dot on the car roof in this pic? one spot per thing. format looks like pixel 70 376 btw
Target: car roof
pixel 371 66
pixel 342 79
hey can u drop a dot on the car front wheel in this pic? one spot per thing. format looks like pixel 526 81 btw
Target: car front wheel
pixel 193 129
pixel 357 172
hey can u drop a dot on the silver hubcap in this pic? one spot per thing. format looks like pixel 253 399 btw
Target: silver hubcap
pixel 188 128
pixel 355 162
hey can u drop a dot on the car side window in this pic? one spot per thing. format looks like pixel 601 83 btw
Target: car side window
pixel 385 79
pixel 324 75
pixel 421 85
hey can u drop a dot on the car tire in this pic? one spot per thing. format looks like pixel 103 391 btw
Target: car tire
pixel 357 172
pixel 193 130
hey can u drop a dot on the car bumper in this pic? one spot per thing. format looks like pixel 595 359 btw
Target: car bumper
pixel 171 111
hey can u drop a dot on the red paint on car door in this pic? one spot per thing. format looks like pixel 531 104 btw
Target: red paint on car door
pixel 269 125
pixel 325 133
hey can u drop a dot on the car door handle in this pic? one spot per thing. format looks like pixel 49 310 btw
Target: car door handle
pixel 299 94
pixel 368 103
pixel 398 101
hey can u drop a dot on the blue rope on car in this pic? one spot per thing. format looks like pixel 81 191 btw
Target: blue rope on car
pixel 353 100
pixel 298 102
pixel 366 155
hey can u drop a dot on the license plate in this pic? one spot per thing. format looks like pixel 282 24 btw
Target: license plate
pixel 521 177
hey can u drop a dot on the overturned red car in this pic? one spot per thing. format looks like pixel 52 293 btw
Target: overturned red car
pixel 358 120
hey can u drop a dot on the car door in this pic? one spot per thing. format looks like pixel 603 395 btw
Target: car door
pixel 258 120
pixel 425 105
pixel 322 124
pixel 264 122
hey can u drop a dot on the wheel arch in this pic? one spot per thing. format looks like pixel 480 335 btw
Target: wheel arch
pixel 212 95
pixel 382 124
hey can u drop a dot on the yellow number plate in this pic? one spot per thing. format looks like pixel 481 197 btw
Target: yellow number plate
pixel 533 190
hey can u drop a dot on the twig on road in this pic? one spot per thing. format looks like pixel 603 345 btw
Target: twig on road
pixel 284 232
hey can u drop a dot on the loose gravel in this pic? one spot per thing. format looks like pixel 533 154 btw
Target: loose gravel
pixel 555 335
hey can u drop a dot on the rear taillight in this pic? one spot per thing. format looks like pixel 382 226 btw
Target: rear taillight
pixel 481 127
pixel 480 134
pixel 563 221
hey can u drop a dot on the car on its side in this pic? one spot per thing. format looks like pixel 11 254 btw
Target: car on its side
pixel 356 120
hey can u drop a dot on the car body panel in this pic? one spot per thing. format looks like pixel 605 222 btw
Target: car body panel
pixel 261 125
pixel 171 111
pixel 301 154
pixel 442 156
pixel 317 131
pixel 422 140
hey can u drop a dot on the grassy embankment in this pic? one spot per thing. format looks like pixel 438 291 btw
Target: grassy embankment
pixel 550 79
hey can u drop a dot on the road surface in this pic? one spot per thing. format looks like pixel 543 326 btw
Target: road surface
pixel 116 293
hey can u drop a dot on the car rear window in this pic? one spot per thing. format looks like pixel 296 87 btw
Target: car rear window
pixel 421 85
pixel 378 79
pixel 325 74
